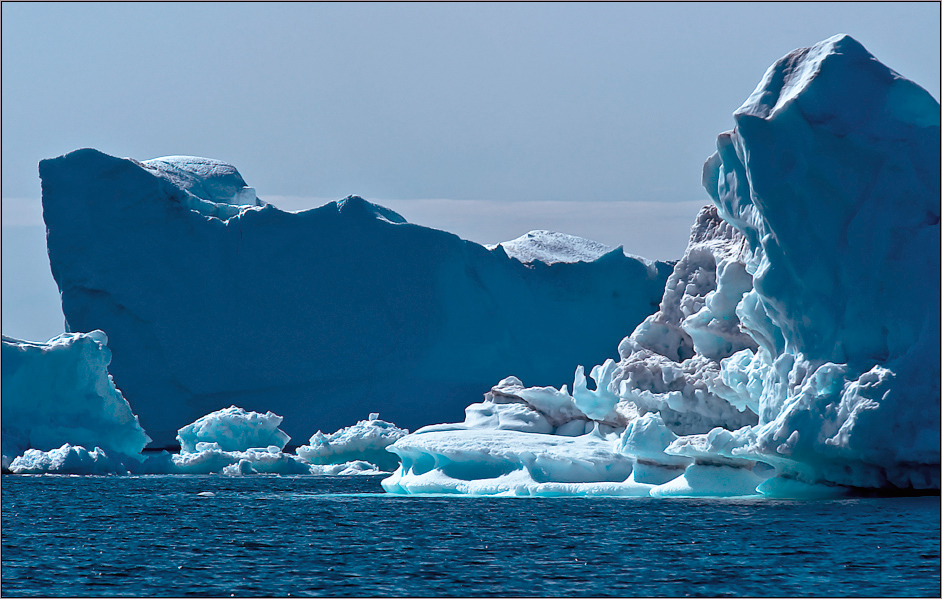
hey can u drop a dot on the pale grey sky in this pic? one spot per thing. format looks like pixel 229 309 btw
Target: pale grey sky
pixel 486 120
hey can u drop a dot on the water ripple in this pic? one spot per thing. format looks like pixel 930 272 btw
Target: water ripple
pixel 311 536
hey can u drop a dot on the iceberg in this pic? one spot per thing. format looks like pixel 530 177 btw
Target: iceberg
pixel 832 176
pixel 795 351
pixel 365 441
pixel 551 247
pixel 210 297
pixel 237 442
pixel 68 459
pixel 233 429
pixel 59 394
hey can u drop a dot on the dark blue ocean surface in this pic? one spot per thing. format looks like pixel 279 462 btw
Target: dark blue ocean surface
pixel 261 535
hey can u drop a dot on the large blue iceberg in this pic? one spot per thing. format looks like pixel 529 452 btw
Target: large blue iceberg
pixel 211 298
pixel 796 349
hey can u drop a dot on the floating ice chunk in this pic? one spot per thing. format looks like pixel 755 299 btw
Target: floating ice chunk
pixel 215 461
pixel 68 459
pixel 366 441
pixel 232 429
pixel 241 468
pixel 60 392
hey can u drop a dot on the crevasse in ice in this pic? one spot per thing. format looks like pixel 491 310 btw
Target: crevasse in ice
pixel 795 351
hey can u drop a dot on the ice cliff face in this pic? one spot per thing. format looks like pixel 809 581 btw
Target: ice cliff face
pixel 211 298
pixel 795 351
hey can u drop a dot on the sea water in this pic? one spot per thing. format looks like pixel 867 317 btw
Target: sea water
pixel 342 536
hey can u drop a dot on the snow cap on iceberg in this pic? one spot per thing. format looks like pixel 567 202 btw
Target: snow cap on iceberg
pixel 210 180
pixel 60 392
pixel 551 247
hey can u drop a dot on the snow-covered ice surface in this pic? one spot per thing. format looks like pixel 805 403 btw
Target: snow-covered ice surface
pixel 795 352
pixel 550 247
pixel 211 298
pixel 59 393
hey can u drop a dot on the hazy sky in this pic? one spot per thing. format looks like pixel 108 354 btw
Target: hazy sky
pixel 531 115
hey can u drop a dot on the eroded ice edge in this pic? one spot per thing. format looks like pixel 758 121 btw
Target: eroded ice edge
pixel 794 353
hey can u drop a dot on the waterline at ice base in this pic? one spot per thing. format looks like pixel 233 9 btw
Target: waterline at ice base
pixel 794 351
